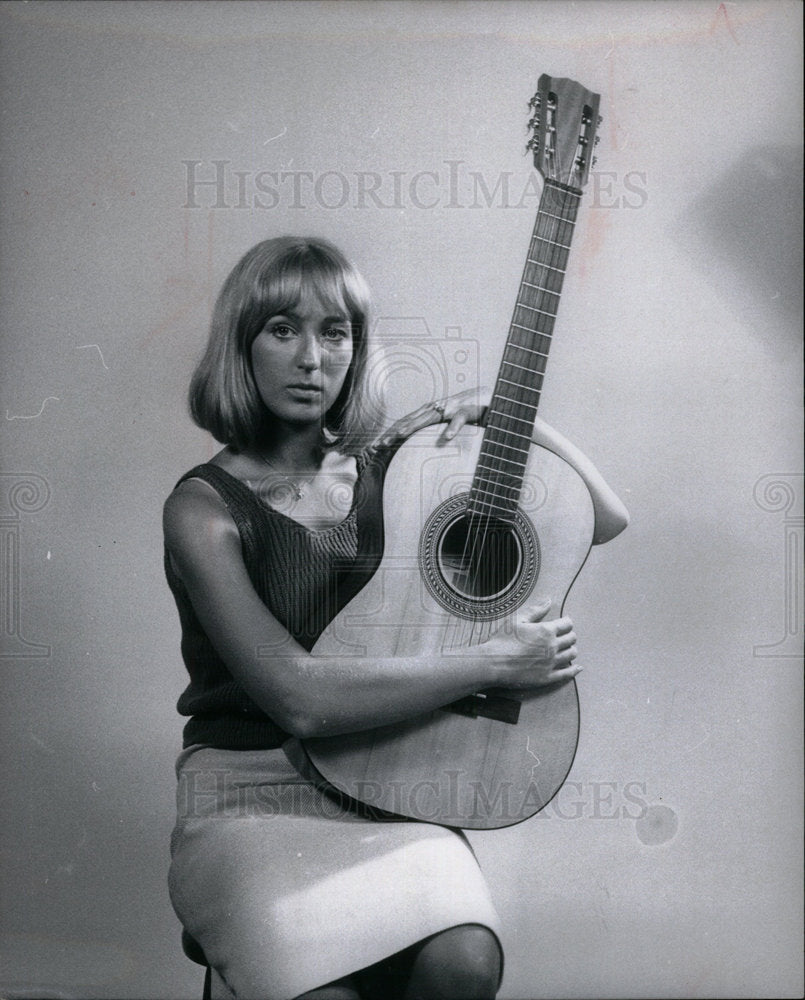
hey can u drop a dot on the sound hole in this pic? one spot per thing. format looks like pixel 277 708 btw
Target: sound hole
pixel 479 560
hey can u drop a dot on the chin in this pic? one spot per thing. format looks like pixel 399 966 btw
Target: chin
pixel 302 416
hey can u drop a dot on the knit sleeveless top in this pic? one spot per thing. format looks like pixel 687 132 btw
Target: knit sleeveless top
pixel 304 577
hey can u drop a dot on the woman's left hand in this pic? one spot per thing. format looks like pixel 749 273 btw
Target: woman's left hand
pixel 466 407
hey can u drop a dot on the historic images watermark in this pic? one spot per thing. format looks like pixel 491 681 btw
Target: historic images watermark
pixel 782 493
pixel 220 184
pixel 224 794
pixel 20 493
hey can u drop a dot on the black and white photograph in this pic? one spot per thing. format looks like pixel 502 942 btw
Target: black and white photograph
pixel 401 499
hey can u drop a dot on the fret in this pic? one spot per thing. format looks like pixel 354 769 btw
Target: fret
pixel 520 385
pixel 488 503
pixel 540 288
pixel 522 305
pixel 511 416
pixel 544 239
pixel 523 368
pixel 508 433
pixel 508 461
pixel 517 402
pixel 500 444
pixel 528 329
pixel 539 263
pixel 483 484
pixel 501 503
pixel 497 499
pixel 561 218
pixel 563 188
pixel 531 350
pixel 535 389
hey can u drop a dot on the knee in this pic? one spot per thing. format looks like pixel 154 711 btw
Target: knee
pixel 462 963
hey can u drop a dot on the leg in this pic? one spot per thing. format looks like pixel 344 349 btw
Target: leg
pixel 461 963
pixel 341 989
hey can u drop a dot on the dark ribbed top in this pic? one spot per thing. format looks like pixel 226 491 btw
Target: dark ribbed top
pixel 304 577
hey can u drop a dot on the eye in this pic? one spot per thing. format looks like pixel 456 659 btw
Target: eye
pixel 337 333
pixel 280 330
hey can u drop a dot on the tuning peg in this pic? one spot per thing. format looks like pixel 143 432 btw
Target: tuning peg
pixel 535 101
pixel 597 140
pixel 534 122
pixel 600 119
pixel 532 146
pixel 595 160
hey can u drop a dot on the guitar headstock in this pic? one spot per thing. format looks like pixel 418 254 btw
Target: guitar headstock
pixel 564 125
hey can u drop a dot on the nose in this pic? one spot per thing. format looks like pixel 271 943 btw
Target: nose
pixel 309 354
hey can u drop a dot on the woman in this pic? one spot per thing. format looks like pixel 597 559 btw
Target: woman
pixel 290 892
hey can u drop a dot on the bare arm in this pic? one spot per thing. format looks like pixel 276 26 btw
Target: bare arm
pixel 611 516
pixel 309 695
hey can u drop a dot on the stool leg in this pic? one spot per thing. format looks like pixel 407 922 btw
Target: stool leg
pixel 207 994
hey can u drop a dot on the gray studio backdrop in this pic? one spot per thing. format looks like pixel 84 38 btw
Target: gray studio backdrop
pixel 144 148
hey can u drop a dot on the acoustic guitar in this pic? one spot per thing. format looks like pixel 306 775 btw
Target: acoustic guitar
pixel 475 530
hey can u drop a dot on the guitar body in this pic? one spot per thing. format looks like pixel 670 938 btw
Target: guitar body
pixel 498 757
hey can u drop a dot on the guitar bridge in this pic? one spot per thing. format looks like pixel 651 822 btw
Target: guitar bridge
pixel 487 705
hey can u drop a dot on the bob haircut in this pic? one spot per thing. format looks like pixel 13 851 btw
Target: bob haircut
pixel 267 281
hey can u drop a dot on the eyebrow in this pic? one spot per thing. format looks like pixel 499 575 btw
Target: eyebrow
pixel 290 314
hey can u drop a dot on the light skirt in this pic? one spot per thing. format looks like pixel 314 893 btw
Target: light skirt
pixel 286 888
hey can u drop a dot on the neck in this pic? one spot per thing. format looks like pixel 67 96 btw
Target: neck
pixel 495 491
pixel 290 446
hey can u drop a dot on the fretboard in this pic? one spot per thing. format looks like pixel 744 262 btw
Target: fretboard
pixel 498 478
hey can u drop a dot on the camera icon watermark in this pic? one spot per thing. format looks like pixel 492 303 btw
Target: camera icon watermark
pixel 411 364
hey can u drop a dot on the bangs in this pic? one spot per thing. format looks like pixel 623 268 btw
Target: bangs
pixel 305 270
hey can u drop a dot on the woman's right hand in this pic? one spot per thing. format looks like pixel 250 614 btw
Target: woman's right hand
pixel 539 652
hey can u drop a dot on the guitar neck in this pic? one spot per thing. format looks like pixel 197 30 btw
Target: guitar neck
pixel 498 479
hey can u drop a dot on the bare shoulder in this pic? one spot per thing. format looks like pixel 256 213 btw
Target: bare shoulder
pixel 197 524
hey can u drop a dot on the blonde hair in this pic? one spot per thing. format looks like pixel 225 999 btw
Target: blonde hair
pixel 267 281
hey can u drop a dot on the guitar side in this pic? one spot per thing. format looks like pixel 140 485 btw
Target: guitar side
pixel 496 758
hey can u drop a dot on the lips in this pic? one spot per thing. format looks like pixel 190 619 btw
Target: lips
pixel 305 392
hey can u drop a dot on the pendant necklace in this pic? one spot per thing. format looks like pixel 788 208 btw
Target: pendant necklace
pixel 297 489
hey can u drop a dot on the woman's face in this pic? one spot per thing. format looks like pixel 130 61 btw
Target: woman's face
pixel 301 358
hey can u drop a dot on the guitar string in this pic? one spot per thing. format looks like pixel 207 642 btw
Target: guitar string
pixel 555 234
pixel 479 537
pixel 557 231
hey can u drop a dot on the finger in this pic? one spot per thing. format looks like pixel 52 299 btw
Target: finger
pixel 455 426
pixel 566 641
pixel 565 674
pixel 565 657
pixel 563 625
pixel 538 611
